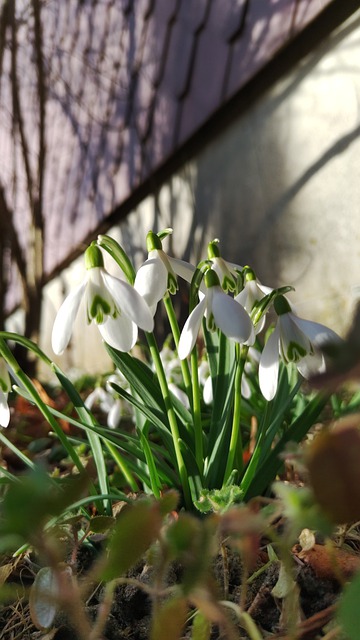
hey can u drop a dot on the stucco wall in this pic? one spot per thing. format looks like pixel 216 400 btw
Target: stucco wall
pixel 280 188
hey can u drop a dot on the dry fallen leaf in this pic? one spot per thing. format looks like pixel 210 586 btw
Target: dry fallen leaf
pixel 329 562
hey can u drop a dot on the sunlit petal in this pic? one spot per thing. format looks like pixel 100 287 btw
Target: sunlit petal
pixel 318 333
pixel 191 329
pixel 269 365
pixel 183 269
pixel 294 343
pixel 115 415
pixel 179 394
pixel 245 388
pixel 311 365
pixel 101 397
pixel 231 317
pixel 208 394
pixel 129 301
pixel 151 280
pixel 4 410
pixel 120 332
pixel 65 318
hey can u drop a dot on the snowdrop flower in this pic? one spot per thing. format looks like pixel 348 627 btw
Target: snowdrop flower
pixel 5 387
pixel 293 340
pixel 109 405
pixel 172 369
pixel 206 381
pixel 179 394
pixel 221 311
pixel 115 306
pixel 226 272
pixel 108 401
pixel 251 294
pixel 158 274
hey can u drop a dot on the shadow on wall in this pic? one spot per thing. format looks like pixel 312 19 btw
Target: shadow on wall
pixel 280 187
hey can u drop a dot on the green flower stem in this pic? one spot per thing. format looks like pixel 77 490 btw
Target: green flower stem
pixel 236 445
pixel 30 388
pixel 196 401
pixel 171 416
pixel 176 334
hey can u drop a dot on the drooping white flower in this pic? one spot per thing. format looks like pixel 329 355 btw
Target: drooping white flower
pixel 293 340
pixel 108 400
pixel 221 311
pixel 226 272
pixel 5 387
pixel 114 305
pixel 251 294
pixel 157 274
pixel 206 381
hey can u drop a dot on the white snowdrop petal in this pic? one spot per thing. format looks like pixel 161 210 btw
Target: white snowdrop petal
pixel 208 395
pixel 311 365
pixel 190 330
pixel 114 415
pixel 4 410
pixel 120 332
pixel 151 280
pixel 65 318
pixel 317 333
pixel 231 317
pixel 294 343
pixel 269 365
pixel 179 394
pixel 129 301
pixel 183 269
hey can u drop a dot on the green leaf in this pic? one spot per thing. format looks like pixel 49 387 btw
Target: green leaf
pixel 140 377
pixel 155 416
pixel 348 608
pixel 169 620
pixel 219 435
pixel 100 524
pixel 30 503
pixel 270 466
pixel 136 529
pixel 87 417
pixel 191 542
pixel 201 627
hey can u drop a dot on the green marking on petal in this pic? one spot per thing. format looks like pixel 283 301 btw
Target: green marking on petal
pixel 228 283
pixel 98 309
pixel 210 322
pixel 172 283
pixel 295 352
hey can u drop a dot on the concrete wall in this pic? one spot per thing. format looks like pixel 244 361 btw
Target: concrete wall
pixel 280 188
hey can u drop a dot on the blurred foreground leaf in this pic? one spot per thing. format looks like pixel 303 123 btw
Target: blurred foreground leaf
pixel 333 463
pixel 348 611
pixel 32 500
pixel 137 527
